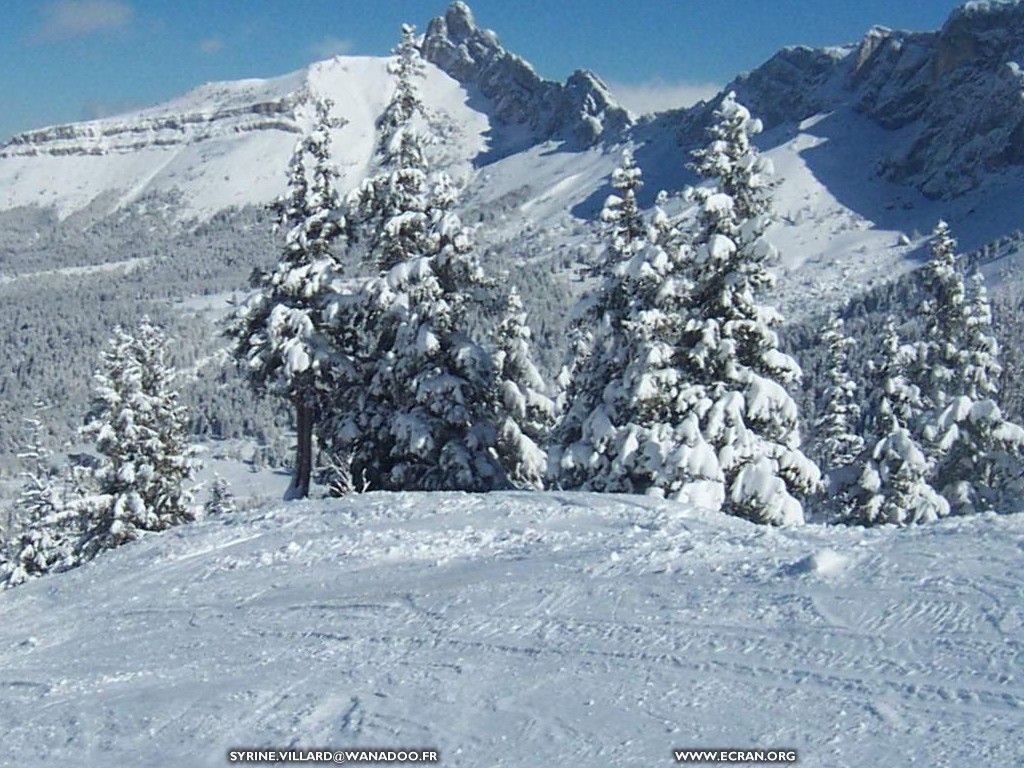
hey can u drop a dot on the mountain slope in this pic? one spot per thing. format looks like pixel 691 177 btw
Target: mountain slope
pixel 222 145
pixel 873 143
pixel 523 630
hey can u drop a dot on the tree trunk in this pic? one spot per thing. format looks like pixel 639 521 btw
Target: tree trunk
pixel 303 451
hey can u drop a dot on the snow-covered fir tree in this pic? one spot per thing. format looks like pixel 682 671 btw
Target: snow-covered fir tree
pixel 600 311
pixel 39 493
pixel 425 419
pixel 597 339
pixel 279 330
pixel 974 449
pixel 221 501
pixel 140 429
pixel 982 367
pixel 391 212
pixel 394 141
pixel 425 416
pixel 895 487
pixel 633 421
pixel 939 357
pixel 46 537
pixel 522 396
pixel 979 450
pixel 625 228
pixel 732 348
pixel 839 442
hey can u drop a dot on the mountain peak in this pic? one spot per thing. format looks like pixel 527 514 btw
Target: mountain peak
pixel 459 19
pixel 581 110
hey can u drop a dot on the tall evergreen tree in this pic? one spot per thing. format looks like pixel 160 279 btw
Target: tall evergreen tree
pixel 394 211
pixel 45 541
pixel 895 487
pixel 982 366
pixel 426 416
pixel 975 450
pixel 599 341
pixel 979 449
pixel 633 423
pixel 839 442
pixel 279 330
pixel 732 347
pixel 939 356
pixel 625 229
pixel 141 433
pixel 529 413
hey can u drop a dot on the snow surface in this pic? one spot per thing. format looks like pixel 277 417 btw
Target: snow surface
pixel 227 160
pixel 522 629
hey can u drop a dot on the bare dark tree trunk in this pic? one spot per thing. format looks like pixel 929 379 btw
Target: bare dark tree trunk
pixel 303 451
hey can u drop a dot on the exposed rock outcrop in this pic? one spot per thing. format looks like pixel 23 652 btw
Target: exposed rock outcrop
pixel 581 109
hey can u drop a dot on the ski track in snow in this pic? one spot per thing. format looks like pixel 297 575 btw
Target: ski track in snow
pixel 523 630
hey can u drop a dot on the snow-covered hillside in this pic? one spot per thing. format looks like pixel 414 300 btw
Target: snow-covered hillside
pixel 523 629
pixel 222 145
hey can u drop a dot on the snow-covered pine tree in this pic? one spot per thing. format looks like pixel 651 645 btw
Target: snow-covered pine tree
pixel 840 444
pixel 141 434
pixel 625 228
pixel 624 233
pixel 39 493
pixel 982 366
pixel 894 487
pixel 597 340
pixel 939 357
pixel 975 451
pixel 425 418
pixel 279 331
pixel 45 540
pixel 394 142
pixel 221 501
pixel 978 449
pixel 390 213
pixel 633 423
pixel 529 411
pixel 733 349
pixel 427 414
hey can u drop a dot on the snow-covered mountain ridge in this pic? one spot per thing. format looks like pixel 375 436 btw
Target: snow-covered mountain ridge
pixel 581 110
pixel 209 111
pixel 953 98
pixel 872 142
pixel 522 629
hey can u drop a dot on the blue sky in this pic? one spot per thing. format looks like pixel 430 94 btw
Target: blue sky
pixel 68 60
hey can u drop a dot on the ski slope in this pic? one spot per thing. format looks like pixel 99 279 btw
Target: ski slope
pixel 523 630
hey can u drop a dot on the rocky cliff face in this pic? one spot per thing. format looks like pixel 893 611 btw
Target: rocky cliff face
pixel 959 93
pixel 956 96
pixel 581 109
pixel 208 112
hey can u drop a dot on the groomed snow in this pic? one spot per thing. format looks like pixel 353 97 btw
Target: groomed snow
pixel 523 630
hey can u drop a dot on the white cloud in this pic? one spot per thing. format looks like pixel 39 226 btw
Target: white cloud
pixel 658 95
pixel 211 45
pixel 331 46
pixel 80 18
